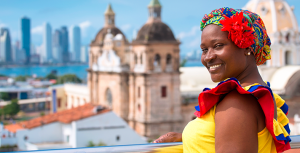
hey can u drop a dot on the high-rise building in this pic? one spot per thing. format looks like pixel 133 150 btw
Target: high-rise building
pixel 18 53
pixel 57 47
pixel 75 43
pixel 25 37
pixel 65 44
pixel 5 51
pixel 84 54
pixel 46 55
pixel 15 50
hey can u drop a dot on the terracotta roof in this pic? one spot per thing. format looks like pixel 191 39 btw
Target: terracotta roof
pixel 66 116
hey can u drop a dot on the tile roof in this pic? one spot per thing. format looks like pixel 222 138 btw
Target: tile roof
pixel 66 116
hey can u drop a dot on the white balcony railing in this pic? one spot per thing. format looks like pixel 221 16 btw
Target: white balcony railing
pixel 134 148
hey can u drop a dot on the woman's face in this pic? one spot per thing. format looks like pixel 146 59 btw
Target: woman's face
pixel 221 56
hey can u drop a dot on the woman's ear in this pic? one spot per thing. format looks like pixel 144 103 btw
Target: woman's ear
pixel 248 51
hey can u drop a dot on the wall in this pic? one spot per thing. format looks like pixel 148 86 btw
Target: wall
pixel 60 94
pixel 105 128
pixel 76 94
pixel 47 133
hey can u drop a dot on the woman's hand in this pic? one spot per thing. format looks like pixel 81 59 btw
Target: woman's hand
pixel 169 137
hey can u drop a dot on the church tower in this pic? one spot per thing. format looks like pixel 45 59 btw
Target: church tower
pixel 154 94
pixel 109 67
pixel 109 17
pixel 282 28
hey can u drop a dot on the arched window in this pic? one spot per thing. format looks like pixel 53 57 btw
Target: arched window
pixel 169 59
pixel 287 37
pixel 108 97
pixel 135 59
pixel 288 58
pixel 141 58
pixel 156 60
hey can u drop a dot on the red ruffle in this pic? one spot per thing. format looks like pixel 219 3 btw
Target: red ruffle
pixel 207 99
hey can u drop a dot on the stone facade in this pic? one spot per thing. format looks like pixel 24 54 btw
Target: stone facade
pixel 139 81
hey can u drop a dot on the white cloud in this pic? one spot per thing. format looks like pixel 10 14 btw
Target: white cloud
pixel 126 27
pixel 192 32
pixel 37 30
pixel 84 25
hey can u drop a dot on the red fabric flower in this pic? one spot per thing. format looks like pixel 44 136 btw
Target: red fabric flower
pixel 239 31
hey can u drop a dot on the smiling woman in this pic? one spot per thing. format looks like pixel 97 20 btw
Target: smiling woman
pixel 241 114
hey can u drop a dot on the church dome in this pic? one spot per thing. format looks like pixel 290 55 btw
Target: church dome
pixel 155 31
pixel 104 31
pixel 276 14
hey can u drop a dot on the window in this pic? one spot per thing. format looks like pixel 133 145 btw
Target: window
pixel 141 58
pixel 68 138
pixel 135 59
pixel 288 58
pixel 58 102
pixel 108 97
pixel 163 91
pixel 139 92
pixel 139 107
pixel 156 60
pixel 287 37
pixel 169 59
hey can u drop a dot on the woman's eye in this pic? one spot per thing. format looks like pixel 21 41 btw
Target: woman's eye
pixel 218 45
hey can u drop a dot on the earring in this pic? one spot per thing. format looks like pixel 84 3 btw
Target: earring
pixel 249 53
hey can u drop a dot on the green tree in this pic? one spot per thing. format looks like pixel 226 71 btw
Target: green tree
pixel 101 144
pixel 4 96
pixel 183 62
pixel 68 78
pixel 51 76
pixel 13 108
pixel 20 78
pixel 91 144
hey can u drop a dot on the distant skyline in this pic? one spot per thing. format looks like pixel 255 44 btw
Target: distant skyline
pixel 183 17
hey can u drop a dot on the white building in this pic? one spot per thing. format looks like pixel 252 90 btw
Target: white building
pixel 73 128
pixel 282 28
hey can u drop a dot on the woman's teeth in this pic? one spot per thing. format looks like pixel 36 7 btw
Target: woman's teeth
pixel 215 66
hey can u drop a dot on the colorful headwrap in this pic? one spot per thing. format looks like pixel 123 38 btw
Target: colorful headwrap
pixel 246 29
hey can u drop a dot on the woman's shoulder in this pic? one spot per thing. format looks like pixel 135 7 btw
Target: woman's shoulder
pixel 241 104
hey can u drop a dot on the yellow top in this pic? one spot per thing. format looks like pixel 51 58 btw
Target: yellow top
pixel 199 138
pixel 199 134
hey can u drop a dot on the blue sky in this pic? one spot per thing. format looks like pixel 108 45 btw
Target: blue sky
pixel 183 16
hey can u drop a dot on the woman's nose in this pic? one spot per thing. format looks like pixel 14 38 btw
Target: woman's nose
pixel 210 55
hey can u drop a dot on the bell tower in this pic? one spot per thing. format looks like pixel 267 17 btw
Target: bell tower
pixel 154 11
pixel 154 94
pixel 109 17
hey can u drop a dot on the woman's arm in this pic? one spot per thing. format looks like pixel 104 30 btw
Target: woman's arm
pixel 238 119
pixel 169 137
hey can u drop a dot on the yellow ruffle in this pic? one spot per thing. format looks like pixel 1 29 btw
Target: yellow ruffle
pixel 282 120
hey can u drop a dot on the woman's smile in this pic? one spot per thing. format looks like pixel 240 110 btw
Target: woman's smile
pixel 214 68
